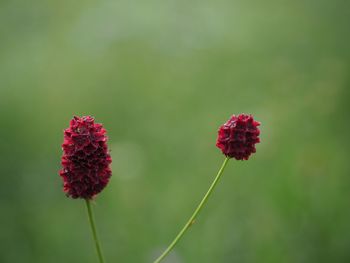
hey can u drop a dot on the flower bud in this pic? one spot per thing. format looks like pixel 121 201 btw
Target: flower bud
pixel 238 136
pixel 86 159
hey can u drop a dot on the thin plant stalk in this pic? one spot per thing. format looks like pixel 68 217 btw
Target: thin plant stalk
pixel 194 215
pixel 93 230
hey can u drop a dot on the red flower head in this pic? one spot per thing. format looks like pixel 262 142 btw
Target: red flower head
pixel 238 136
pixel 85 161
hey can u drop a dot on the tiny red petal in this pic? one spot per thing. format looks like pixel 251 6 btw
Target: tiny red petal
pixel 86 160
pixel 238 136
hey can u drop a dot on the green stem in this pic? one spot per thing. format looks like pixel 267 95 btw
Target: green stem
pixel 193 217
pixel 93 229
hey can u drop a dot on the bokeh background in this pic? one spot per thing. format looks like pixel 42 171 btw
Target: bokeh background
pixel 162 76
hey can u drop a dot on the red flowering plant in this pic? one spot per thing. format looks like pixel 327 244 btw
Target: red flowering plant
pixel 85 164
pixel 236 139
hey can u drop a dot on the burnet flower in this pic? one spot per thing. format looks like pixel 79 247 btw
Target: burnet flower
pixel 85 161
pixel 236 139
pixel 238 136
pixel 86 165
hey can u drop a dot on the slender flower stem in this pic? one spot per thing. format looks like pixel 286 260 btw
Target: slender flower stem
pixel 94 232
pixel 195 213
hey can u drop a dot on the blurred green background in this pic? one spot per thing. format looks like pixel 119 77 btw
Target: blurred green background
pixel 162 76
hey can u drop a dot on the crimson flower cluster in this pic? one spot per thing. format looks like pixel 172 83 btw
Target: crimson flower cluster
pixel 86 159
pixel 238 136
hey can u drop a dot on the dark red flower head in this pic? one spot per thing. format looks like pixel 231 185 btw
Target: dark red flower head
pixel 85 161
pixel 238 136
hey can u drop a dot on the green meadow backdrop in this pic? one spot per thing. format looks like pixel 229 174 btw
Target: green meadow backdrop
pixel 162 76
